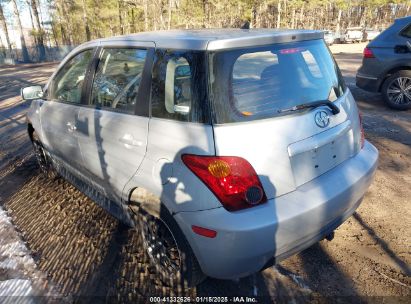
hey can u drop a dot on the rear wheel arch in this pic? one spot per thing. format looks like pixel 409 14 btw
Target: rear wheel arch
pixel 143 198
pixel 391 72
pixel 144 205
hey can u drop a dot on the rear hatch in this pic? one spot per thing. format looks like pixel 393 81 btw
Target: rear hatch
pixel 257 96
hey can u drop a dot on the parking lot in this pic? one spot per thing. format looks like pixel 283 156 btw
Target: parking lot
pixel 83 251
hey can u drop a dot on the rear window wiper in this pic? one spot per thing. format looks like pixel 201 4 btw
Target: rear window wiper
pixel 334 109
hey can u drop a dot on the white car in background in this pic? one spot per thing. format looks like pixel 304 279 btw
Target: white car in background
pixel 353 34
pixel 329 37
pixel 371 34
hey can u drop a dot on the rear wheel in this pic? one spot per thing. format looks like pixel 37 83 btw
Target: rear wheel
pixel 168 250
pixel 396 90
pixel 43 159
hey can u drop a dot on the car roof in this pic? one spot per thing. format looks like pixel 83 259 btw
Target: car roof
pixel 403 19
pixel 216 39
pixel 390 36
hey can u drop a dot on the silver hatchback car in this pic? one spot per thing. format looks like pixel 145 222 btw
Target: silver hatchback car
pixel 228 150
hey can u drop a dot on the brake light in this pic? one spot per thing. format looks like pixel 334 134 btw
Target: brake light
pixel 232 179
pixel 368 53
pixel 361 130
pixel 292 50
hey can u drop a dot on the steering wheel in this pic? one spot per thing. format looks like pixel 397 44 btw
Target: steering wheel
pixel 125 90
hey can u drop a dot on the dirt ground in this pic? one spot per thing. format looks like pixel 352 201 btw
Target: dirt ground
pixel 90 257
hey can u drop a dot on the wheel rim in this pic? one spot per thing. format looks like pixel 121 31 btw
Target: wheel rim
pixel 161 246
pixel 41 156
pixel 399 91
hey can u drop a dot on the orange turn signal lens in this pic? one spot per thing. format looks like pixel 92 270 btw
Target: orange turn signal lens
pixel 246 113
pixel 219 168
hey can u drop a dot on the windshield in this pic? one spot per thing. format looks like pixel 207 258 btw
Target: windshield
pixel 256 83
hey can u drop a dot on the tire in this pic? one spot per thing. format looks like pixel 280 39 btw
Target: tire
pixel 162 236
pixel 43 159
pixel 396 90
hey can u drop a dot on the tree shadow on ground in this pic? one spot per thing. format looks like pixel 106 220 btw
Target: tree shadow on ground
pixel 403 266
pixel 325 278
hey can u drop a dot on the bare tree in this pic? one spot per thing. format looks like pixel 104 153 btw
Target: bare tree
pixel 170 6
pixel 120 16
pixel 279 14
pixel 85 20
pixel 61 13
pixel 40 32
pixel 26 57
pixel 338 26
pixel 145 15
pixel 4 27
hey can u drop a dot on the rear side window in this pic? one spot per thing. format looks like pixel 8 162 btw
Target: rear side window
pixel 117 79
pixel 179 86
pixel 257 83
pixel 406 32
pixel 68 83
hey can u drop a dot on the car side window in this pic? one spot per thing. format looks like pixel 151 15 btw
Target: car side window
pixel 406 32
pixel 179 86
pixel 117 79
pixel 68 82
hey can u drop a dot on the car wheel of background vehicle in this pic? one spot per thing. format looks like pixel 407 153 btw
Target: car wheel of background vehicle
pixel 43 160
pixel 168 250
pixel 396 90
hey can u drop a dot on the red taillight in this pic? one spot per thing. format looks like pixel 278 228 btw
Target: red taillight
pixel 362 131
pixel 232 179
pixel 204 231
pixel 368 53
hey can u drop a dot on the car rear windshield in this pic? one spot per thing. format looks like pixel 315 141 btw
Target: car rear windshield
pixel 257 83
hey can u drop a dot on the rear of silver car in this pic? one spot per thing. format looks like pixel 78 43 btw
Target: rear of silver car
pixel 271 110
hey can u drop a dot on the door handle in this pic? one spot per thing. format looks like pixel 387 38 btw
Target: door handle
pixel 71 127
pixel 130 141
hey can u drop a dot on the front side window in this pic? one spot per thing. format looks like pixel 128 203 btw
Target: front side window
pixel 68 83
pixel 256 83
pixel 179 86
pixel 117 79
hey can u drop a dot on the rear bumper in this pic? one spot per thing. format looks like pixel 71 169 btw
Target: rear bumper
pixel 246 240
pixel 367 83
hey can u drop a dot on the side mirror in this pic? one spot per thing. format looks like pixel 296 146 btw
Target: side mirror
pixel 30 93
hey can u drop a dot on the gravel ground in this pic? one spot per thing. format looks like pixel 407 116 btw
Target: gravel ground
pixel 86 253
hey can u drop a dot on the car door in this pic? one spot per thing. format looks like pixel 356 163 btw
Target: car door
pixel 114 127
pixel 59 112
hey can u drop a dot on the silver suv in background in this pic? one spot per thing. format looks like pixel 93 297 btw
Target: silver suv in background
pixel 228 150
pixel 386 65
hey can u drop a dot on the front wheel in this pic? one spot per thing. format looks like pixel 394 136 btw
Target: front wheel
pixel 396 90
pixel 43 159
